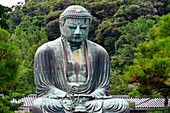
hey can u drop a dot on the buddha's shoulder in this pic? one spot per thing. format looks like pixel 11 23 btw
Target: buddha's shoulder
pixel 49 45
pixel 96 47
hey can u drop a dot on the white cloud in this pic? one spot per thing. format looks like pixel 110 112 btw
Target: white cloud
pixel 10 3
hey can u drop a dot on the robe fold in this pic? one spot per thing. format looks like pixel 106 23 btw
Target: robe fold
pixel 50 69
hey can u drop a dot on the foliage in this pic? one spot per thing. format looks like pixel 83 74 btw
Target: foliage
pixel 132 105
pixel 133 34
pixel 8 62
pixel 28 42
pixel 107 34
pixel 52 25
pixel 8 69
pixel 117 87
pixel 167 110
pixel 15 17
pixel 29 35
pixel 4 16
pixel 151 70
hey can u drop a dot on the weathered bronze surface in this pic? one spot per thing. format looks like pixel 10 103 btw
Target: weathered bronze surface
pixel 72 73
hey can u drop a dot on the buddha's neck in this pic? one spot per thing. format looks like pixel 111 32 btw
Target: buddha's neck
pixel 74 45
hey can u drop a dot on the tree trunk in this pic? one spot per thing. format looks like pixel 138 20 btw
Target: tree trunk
pixel 165 103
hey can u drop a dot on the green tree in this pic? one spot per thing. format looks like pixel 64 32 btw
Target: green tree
pixel 133 34
pixel 4 16
pixel 8 69
pixel 52 25
pixel 28 35
pixel 28 42
pixel 150 73
pixel 107 34
pixel 15 17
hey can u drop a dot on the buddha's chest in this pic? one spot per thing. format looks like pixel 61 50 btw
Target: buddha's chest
pixel 76 69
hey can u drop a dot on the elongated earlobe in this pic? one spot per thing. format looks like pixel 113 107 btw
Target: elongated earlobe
pixel 60 26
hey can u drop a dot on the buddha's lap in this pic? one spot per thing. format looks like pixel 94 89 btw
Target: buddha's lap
pixel 60 104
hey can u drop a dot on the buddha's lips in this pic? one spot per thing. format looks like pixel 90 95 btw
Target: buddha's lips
pixel 76 37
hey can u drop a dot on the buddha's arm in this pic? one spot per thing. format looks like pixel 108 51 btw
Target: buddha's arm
pixel 46 75
pixel 102 76
pixel 44 86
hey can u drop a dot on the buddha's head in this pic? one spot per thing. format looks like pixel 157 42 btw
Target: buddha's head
pixel 74 24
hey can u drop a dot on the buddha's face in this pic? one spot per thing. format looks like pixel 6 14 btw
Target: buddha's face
pixel 75 29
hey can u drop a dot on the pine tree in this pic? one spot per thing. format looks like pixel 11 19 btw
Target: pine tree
pixel 151 72
pixel 8 73
pixel 8 65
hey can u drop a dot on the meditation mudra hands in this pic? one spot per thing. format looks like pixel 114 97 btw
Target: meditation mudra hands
pixel 55 93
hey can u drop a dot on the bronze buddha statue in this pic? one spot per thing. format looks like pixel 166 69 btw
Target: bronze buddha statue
pixel 72 73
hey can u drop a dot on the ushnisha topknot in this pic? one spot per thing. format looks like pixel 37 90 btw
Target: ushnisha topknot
pixel 75 11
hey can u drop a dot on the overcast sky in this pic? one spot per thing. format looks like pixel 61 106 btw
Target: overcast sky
pixel 10 3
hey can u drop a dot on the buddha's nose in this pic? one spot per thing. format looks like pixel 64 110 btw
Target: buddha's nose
pixel 77 31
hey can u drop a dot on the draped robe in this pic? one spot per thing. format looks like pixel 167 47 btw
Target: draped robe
pixel 50 73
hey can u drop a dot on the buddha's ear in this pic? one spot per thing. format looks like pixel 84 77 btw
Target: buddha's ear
pixel 60 26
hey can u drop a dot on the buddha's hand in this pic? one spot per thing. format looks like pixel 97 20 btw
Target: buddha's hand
pixel 81 96
pixel 88 96
pixel 73 87
pixel 55 93
pixel 100 94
